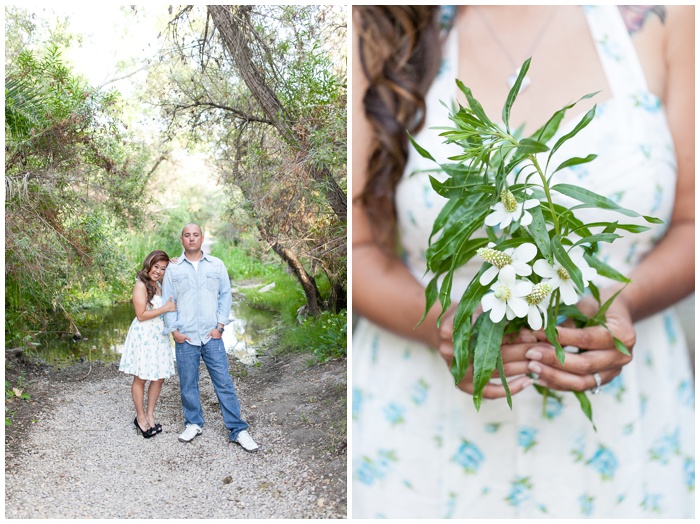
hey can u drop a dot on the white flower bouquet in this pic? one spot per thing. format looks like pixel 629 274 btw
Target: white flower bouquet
pixel 539 259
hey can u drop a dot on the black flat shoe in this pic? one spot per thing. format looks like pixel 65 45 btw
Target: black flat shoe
pixel 146 434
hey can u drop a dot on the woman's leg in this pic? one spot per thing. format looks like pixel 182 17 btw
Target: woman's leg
pixel 137 388
pixel 153 393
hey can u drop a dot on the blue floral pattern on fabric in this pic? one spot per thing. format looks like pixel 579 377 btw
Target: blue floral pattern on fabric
pixel 469 457
pixel 552 408
pixel 369 470
pixel 689 473
pixel 147 353
pixel 526 438
pixel 419 392
pixel 356 402
pixel 665 447
pixel 604 462
pixel 586 504
pixel 670 328
pixel 394 413
pixel 520 490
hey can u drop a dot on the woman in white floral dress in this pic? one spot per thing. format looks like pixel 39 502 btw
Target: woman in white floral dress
pixel 420 449
pixel 147 352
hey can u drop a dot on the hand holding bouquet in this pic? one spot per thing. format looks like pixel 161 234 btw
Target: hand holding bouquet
pixel 538 257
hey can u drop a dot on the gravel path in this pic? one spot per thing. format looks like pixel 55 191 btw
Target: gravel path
pixel 82 458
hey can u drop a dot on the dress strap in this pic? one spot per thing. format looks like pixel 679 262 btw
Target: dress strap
pixel 615 50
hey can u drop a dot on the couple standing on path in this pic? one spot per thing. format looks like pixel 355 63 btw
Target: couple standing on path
pixel 195 313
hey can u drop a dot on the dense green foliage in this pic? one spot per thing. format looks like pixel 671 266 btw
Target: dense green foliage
pixel 73 181
pixel 283 163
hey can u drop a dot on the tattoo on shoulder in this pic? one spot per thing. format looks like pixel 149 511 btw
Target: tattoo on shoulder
pixel 635 16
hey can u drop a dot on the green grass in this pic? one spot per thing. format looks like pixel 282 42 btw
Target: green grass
pixel 325 337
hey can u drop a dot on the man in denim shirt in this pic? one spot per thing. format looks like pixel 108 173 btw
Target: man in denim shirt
pixel 200 286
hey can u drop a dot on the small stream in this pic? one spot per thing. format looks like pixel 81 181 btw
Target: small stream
pixel 104 331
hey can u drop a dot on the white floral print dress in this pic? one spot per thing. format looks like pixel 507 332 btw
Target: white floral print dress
pixel 147 352
pixel 420 449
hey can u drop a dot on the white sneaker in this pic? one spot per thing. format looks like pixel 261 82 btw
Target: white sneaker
pixel 191 431
pixel 246 442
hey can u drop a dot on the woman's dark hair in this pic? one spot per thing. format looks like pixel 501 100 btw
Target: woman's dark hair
pixel 148 263
pixel 400 52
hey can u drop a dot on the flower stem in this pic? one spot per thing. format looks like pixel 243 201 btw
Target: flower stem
pixel 545 187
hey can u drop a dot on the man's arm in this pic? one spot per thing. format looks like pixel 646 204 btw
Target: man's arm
pixel 169 318
pixel 223 309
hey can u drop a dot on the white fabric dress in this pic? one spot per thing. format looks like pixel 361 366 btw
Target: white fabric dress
pixel 147 352
pixel 421 450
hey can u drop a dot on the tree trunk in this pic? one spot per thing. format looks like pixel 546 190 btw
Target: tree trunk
pixel 308 283
pixel 231 22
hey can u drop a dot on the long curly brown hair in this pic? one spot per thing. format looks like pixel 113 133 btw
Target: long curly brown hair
pixel 148 263
pixel 400 54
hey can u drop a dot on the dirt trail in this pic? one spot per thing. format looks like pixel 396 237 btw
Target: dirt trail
pixel 72 452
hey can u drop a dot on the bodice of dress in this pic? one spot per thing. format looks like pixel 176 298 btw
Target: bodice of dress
pixel 156 301
pixel 635 167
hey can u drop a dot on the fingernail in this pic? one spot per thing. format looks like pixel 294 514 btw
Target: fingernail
pixel 534 367
pixel 527 384
pixel 533 354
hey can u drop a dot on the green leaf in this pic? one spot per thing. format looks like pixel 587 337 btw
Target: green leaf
pixel 431 295
pixel 504 381
pixel 591 198
pixel 471 298
pixel 600 237
pixel 563 258
pixel 453 236
pixel 594 292
pixel 445 288
pixel 540 234
pixel 528 146
pixel 447 215
pixel 575 161
pixel 620 346
pixel 652 220
pixel 585 406
pixel 599 317
pixel 551 331
pixel 461 337
pixel 587 118
pixel 475 105
pixel 573 313
pixel 632 228
pixel 422 152
pixel 513 93
pixel 605 270
pixel 488 347
pixel 550 128
pixel 463 255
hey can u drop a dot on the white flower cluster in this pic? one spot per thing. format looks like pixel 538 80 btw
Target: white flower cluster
pixel 515 297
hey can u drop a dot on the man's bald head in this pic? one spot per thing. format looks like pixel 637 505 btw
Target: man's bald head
pixel 191 226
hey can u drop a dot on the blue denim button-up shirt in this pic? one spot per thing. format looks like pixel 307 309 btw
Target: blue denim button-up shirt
pixel 203 297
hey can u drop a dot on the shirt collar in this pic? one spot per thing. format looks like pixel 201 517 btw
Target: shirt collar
pixel 183 258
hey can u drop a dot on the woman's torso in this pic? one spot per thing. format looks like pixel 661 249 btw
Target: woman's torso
pixel 636 164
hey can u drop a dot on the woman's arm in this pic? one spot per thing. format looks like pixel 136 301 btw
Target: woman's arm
pixel 383 289
pixel 666 275
pixel 139 297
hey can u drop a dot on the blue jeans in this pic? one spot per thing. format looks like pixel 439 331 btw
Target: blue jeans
pixel 214 355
